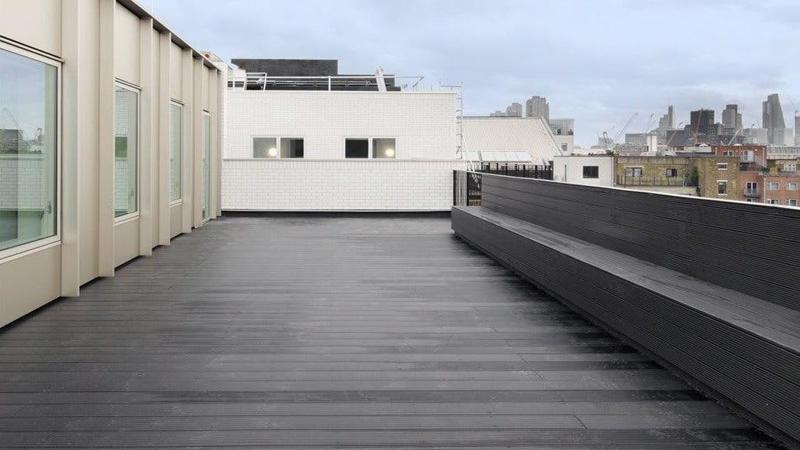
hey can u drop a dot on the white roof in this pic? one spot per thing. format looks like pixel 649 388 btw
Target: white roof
pixel 509 139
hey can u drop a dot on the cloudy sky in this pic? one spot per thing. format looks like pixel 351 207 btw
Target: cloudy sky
pixel 596 61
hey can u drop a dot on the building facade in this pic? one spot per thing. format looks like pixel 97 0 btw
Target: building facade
pixel 772 120
pixel 537 107
pixel 718 177
pixel 655 173
pixel 752 156
pixel 587 170
pixel 109 144
pixel 302 148
pixel 782 182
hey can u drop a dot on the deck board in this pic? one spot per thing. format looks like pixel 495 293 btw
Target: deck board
pixel 310 331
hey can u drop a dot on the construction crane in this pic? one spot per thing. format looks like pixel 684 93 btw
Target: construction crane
pixel 737 134
pixel 611 144
pixel 649 122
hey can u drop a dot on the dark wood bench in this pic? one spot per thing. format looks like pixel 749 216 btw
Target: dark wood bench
pixel 742 349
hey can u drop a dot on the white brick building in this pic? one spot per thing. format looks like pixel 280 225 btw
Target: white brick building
pixel 338 150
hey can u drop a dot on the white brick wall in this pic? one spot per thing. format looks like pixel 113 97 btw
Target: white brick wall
pixel 424 123
pixel 331 185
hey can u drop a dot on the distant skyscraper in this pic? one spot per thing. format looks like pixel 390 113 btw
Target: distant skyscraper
pixel 667 121
pixel 514 110
pixel 796 128
pixel 772 120
pixel 731 118
pixel 537 107
pixel 702 122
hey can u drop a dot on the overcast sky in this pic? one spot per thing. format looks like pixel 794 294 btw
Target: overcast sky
pixel 596 61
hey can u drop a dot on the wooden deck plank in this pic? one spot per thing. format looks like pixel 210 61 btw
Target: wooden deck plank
pixel 335 332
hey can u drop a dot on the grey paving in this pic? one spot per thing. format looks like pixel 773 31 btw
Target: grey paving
pixel 335 332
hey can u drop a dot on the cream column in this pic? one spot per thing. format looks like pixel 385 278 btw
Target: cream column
pixel 147 114
pixel 188 139
pixel 197 149
pixel 72 139
pixel 105 127
pixel 222 86
pixel 165 41
pixel 213 100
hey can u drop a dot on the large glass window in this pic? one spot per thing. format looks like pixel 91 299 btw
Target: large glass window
pixel 356 148
pixel 206 166
pixel 28 149
pixel 126 160
pixel 384 148
pixel 175 150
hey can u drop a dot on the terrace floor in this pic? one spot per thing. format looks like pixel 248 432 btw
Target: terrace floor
pixel 314 331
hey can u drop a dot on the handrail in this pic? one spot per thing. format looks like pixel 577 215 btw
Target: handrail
pixel 262 80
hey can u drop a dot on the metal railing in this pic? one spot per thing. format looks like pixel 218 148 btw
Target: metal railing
pixel 751 193
pixel 626 180
pixel 518 170
pixel 262 81
pixel 466 188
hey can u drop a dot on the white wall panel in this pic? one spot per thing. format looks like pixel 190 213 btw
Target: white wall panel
pixel 36 23
pixel 126 45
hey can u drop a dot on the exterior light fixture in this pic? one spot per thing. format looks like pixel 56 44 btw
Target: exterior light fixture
pixel 272 152
pixel 389 152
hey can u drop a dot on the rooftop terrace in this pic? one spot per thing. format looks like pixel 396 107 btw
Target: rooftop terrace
pixel 314 331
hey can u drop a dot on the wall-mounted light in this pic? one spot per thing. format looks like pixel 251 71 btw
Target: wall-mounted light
pixel 389 152
pixel 272 152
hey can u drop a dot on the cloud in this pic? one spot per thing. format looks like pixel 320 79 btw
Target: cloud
pixel 598 62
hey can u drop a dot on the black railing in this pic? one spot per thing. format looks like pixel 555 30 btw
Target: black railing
pixel 466 188
pixel 518 170
pixel 623 180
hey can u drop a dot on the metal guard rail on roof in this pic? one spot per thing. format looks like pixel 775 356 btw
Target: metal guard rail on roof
pixel 263 80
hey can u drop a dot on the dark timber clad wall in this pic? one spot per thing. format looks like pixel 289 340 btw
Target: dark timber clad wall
pixel 289 67
pixel 745 349
pixel 749 248
pixel 717 356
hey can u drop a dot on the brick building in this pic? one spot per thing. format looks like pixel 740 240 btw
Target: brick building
pixel 751 155
pixel 782 182
pixel 703 175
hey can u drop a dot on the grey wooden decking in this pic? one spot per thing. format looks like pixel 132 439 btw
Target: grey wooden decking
pixel 323 332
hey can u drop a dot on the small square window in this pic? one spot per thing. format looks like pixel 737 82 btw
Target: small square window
pixel 265 147
pixel 722 187
pixel 773 186
pixel 792 202
pixel 291 148
pixel 384 148
pixel 633 172
pixel 722 166
pixel 591 172
pixel 791 186
pixel 671 173
pixel 356 148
